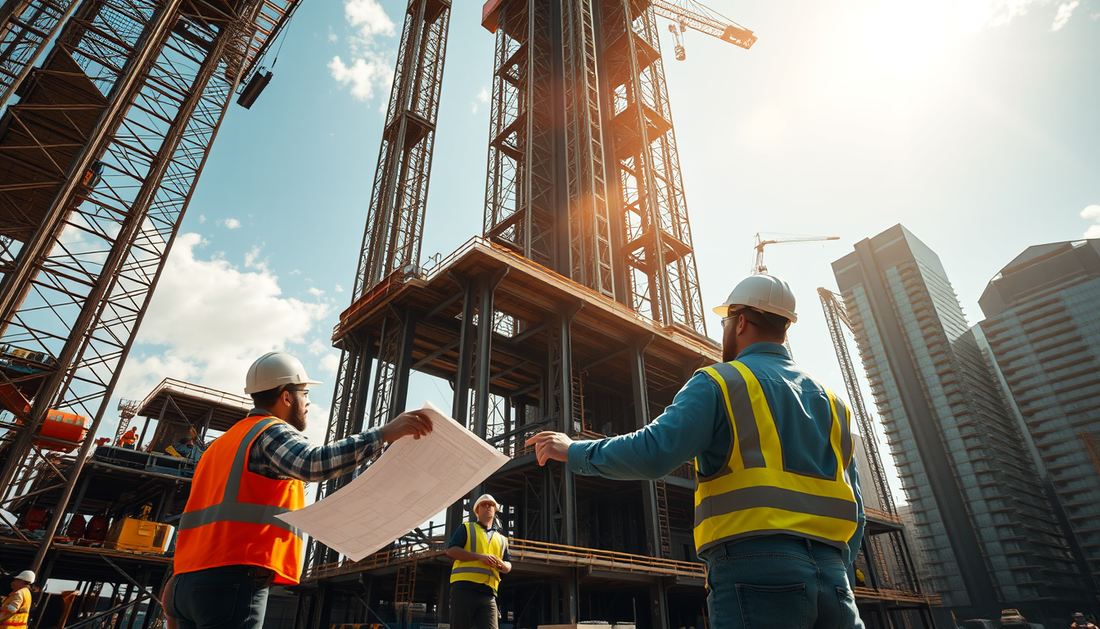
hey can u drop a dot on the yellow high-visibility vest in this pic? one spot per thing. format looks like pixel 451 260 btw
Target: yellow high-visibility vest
pixel 478 542
pixel 752 494
pixel 18 620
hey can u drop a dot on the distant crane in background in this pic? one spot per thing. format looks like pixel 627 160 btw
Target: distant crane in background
pixel 759 243
pixel 687 14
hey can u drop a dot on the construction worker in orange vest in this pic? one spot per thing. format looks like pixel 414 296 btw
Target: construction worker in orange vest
pixel 230 547
pixel 17 606
pixel 129 439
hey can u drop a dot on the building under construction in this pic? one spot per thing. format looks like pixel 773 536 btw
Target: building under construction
pixel 578 309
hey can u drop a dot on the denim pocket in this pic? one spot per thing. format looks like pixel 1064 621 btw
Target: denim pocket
pixel 214 605
pixel 767 606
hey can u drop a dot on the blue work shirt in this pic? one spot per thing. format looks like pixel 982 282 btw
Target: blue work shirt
pixel 695 426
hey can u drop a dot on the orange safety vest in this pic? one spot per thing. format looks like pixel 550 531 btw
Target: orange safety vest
pixel 230 517
pixel 18 620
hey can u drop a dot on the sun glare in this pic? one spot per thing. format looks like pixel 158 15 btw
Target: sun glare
pixel 902 37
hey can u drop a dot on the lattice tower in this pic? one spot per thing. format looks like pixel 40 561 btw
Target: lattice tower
pixel 836 316
pixel 120 118
pixel 394 231
pixel 604 205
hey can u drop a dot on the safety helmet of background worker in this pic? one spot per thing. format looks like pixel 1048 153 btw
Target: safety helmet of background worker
pixel 764 293
pixel 486 498
pixel 274 370
pixel 27 576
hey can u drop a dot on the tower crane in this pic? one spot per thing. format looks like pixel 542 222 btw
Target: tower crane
pixel 684 14
pixel 687 14
pixel 758 267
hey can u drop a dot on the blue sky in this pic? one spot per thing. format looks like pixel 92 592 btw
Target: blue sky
pixel 973 122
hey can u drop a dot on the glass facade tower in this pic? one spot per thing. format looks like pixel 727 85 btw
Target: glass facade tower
pixel 984 523
pixel 1043 327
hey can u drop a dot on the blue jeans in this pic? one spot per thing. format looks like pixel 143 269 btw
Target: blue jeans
pixel 780 582
pixel 232 597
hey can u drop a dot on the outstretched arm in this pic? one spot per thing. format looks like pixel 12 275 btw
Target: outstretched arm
pixel 681 433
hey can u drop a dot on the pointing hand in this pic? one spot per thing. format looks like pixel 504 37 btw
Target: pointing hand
pixel 550 446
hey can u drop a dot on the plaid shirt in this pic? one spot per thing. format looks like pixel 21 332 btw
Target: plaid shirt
pixel 282 452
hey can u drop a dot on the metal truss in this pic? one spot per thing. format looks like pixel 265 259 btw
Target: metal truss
pixel 394 231
pixel 657 247
pixel 26 26
pixel 586 169
pixel 81 283
pixel 520 195
pixel 395 221
pixel 836 316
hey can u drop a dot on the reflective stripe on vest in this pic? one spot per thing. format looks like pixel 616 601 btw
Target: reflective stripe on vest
pixel 240 528
pixel 478 542
pixel 229 510
pixel 753 494
pixel 18 620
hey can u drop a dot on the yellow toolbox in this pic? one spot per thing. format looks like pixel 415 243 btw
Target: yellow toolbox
pixel 140 535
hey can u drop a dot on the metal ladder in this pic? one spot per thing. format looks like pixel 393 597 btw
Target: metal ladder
pixel 662 519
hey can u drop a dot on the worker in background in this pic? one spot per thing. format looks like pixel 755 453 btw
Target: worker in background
pixel 230 546
pixel 17 606
pixel 1080 622
pixel 188 446
pixel 480 551
pixel 129 439
pixel 778 517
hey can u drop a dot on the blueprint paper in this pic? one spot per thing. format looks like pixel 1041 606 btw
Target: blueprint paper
pixel 412 481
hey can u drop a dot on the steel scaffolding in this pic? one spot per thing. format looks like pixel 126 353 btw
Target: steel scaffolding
pixel 102 152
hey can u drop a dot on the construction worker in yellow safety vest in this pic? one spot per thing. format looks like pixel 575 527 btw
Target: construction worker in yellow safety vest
pixel 778 512
pixel 480 551
pixel 17 606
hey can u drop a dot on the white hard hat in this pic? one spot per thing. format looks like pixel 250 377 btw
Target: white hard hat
pixel 26 575
pixel 486 498
pixel 764 293
pixel 273 370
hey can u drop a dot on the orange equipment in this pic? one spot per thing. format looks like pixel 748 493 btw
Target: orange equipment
pixel 67 428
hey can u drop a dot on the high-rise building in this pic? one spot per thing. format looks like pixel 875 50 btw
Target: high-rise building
pixel 1043 327
pixel 985 525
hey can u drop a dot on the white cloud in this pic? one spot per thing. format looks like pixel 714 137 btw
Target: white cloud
pixel 1064 12
pixel 329 364
pixel 367 68
pixel 369 17
pixel 362 75
pixel 202 219
pixel 209 320
pixel 1092 213
pixel 482 97
pixel 339 288
pixel 316 292
pixel 252 260
pixel 232 223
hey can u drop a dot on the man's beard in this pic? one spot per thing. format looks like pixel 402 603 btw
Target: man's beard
pixel 730 349
pixel 297 414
